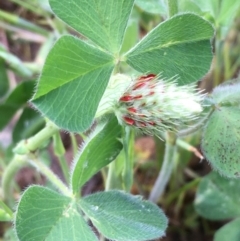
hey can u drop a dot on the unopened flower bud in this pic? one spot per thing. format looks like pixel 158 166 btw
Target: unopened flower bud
pixel 152 105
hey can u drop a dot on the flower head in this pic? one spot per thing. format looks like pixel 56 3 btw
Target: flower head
pixel 152 105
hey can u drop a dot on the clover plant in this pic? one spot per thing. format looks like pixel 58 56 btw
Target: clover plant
pixel 102 82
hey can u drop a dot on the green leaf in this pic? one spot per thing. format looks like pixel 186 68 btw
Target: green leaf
pixel 46 215
pixel 21 94
pixel 220 141
pixel 100 149
pixel 121 216
pixel 223 12
pixel 152 6
pixel 102 22
pixel 227 93
pixel 230 231
pixel 29 123
pixel 6 112
pixel 4 83
pixel 209 6
pixel 72 83
pixel 218 198
pixel 17 98
pixel 131 36
pixel 189 6
pixel 179 46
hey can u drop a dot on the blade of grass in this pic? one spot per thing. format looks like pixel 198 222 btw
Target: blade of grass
pixel 29 6
pixel 14 19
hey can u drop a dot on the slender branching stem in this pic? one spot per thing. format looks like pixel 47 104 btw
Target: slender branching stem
pixel 172 7
pixel 197 126
pixel 33 143
pixel 6 209
pixel 59 151
pixel 128 167
pixel 52 177
pixel 166 170
pixel 64 167
pixel 109 181
pixel 74 144
pixel 188 147
pixel 15 19
pixel 25 156
pixel 10 172
pixel 183 189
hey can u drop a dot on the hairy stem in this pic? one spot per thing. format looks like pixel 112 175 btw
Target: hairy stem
pixel 172 7
pixel 64 167
pixel 110 177
pixel 59 151
pixel 166 170
pixel 33 143
pixel 54 179
pixel 185 188
pixel 74 144
pixel 6 209
pixel 23 157
pixel 127 174
pixel 197 126
pixel 14 19
pixel 190 148
pixel 9 173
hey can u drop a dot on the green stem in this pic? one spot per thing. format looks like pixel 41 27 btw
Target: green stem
pixel 59 151
pixel 110 176
pixel 27 5
pixel 74 144
pixel 6 209
pixel 25 149
pixel 190 130
pixel 50 175
pixel 14 19
pixel 172 7
pixel 189 148
pixel 16 64
pixel 227 60
pixel 166 170
pixel 9 173
pixel 33 143
pixel 104 175
pixel 64 167
pixel 197 126
pixel 185 188
pixel 128 167
pixel 183 144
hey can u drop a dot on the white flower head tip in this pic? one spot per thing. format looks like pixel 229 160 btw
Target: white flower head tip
pixel 152 104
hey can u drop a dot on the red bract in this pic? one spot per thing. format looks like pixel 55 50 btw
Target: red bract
pixel 132 110
pixel 137 97
pixel 147 77
pixel 129 121
pixel 139 85
pixel 126 98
